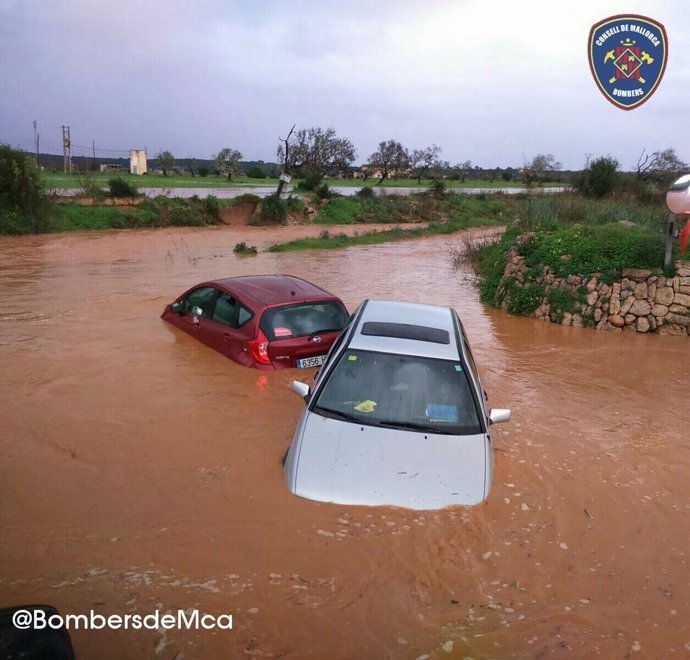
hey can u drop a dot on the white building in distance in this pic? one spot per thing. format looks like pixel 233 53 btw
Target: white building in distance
pixel 137 161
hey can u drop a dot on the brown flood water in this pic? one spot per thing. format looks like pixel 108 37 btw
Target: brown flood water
pixel 141 471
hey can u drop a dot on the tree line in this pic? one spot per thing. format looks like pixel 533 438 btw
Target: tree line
pixel 312 154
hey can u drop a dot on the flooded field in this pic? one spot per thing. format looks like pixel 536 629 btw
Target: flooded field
pixel 141 471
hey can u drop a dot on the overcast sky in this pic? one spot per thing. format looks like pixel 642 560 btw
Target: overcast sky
pixel 492 82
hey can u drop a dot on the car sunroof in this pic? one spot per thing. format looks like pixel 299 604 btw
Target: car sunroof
pixel 406 331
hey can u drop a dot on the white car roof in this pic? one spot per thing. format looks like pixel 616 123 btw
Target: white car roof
pixel 406 328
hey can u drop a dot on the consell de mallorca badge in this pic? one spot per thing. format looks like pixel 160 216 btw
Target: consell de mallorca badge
pixel 627 56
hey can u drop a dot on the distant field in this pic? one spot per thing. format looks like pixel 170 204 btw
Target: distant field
pixel 61 180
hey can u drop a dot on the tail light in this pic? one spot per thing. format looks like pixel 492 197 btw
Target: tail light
pixel 258 349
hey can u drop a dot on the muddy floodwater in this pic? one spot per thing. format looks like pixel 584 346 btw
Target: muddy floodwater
pixel 140 471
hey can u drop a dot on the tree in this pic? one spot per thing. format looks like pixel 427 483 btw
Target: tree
pixel 465 170
pixel 227 162
pixel 426 159
pixel 539 168
pixel 599 178
pixel 165 161
pixel 390 157
pixel 660 166
pixel 24 205
pixel 312 153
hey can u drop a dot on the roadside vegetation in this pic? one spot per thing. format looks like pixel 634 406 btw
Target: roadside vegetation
pixel 567 235
pixel 437 214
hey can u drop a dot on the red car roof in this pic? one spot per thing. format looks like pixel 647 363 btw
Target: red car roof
pixel 273 289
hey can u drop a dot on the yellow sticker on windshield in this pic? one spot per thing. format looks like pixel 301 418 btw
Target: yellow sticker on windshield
pixel 352 358
pixel 367 406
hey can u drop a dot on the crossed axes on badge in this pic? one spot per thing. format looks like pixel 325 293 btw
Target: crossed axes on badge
pixel 644 57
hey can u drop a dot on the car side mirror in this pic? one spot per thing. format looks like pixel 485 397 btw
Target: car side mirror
pixel 176 308
pixel 498 415
pixel 300 388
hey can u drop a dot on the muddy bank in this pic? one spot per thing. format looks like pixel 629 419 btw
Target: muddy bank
pixel 140 471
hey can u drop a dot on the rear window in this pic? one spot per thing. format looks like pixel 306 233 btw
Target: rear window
pixel 302 320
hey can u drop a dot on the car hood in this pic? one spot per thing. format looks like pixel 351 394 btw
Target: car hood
pixel 350 463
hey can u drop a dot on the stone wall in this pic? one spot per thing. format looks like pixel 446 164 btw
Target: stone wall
pixel 642 300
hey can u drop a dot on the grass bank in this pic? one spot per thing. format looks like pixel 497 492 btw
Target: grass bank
pixel 157 212
pixel 445 214
pixel 568 235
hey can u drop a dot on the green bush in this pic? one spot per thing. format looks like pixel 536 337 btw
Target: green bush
pixel 323 192
pixel 118 187
pixel 438 188
pixel 366 193
pixel 203 171
pixel 599 179
pixel 24 205
pixel 309 182
pixel 295 204
pixel 560 302
pixel 606 249
pixel 211 207
pixel 523 300
pixel 242 199
pixel 243 248
pixel 339 211
pixel 255 172
pixel 273 211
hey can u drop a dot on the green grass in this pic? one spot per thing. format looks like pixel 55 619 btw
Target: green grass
pixel 158 212
pixel 459 221
pixel 572 235
pixel 60 180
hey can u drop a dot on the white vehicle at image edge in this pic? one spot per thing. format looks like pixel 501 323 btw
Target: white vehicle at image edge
pixel 396 415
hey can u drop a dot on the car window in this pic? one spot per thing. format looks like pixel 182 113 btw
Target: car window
pixel 243 316
pixel 229 311
pixel 400 391
pixel 302 320
pixel 203 298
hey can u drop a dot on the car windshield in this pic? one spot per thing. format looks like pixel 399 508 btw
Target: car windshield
pixel 400 391
pixel 302 320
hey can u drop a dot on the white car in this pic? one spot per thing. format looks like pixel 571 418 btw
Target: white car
pixel 396 415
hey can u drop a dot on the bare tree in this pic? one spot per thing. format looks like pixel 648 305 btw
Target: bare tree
pixel 284 158
pixel 227 162
pixel 390 157
pixel 660 166
pixel 426 159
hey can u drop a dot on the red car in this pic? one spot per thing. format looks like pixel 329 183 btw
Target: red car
pixel 261 321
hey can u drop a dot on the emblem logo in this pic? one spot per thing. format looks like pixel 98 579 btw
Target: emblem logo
pixel 627 56
pixel 316 339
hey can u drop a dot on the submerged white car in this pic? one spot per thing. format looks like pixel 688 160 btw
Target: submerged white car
pixel 396 415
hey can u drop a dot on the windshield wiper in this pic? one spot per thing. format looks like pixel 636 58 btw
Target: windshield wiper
pixel 338 414
pixel 320 332
pixel 405 425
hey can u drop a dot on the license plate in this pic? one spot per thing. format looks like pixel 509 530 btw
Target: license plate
pixel 310 362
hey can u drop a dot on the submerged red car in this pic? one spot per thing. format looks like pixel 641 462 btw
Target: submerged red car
pixel 261 321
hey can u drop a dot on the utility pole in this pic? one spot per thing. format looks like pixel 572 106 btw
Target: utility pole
pixel 93 144
pixel 36 141
pixel 66 150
